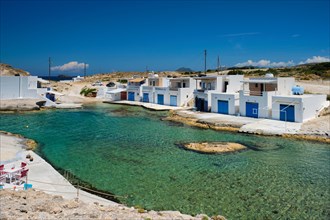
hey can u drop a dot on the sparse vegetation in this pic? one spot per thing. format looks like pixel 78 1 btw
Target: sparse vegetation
pixel 87 91
pixel 122 80
pixel 236 72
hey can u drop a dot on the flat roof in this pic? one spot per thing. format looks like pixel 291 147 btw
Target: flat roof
pixel 297 96
pixel 116 91
pixel 260 81
pixel 181 78
pixel 136 80
pixel 205 77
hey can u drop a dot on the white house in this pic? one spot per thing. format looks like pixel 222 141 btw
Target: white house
pixel 218 93
pixel 154 86
pixel 255 99
pixel 112 92
pixel 15 87
pixel 116 94
pixel 298 108
pixel 134 89
pixel 179 92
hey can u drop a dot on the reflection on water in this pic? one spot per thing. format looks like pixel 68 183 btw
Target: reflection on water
pixel 129 151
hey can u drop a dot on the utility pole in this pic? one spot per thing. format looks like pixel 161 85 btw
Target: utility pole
pixel 49 68
pixel 84 70
pixel 147 69
pixel 205 53
pixel 219 67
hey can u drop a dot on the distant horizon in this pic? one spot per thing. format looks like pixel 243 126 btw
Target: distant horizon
pixel 128 36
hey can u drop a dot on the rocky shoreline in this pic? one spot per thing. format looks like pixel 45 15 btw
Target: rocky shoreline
pixel 32 204
pixel 320 134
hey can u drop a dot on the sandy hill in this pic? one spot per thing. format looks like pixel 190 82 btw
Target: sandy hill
pixel 7 70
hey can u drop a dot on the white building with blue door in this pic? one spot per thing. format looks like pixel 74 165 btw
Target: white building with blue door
pixel 154 86
pixel 298 108
pixel 179 92
pixel 225 103
pixel 255 100
pixel 218 93
pixel 134 89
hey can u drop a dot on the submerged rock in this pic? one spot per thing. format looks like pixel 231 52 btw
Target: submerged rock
pixel 214 147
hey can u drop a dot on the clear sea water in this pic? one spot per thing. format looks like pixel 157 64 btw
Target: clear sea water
pixel 130 152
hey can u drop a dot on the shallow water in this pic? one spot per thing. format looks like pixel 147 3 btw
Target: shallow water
pixel 129 151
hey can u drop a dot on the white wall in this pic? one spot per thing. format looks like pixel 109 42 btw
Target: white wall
pixel 162 91
pixel 263 101
pixel 234 83
pixel 284 85
pixel 233 101
pixel 113 96
pixel 150 91
pixel 295 101
pixel 101 92
pixel 137 92
pixel 306 106
pixel 14 87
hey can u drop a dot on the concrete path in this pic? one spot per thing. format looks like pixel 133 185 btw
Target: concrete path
pixel 271 127
pixel 45 178
pixel 151 106
pixel 246 124
pixel 41 174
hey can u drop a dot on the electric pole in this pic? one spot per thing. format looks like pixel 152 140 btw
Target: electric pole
pixel 205 53
pixel 49 68
pixel 219 67
pixel 84 70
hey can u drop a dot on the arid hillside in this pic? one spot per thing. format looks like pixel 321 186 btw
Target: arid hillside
pixel 7 70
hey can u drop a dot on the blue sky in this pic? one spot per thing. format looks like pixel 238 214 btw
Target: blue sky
pixel 129 35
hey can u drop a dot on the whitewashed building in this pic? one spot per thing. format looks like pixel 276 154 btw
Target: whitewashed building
pixel 218 93
pixel 179 92
pixel 134 89
pixel 16 87
pixel 255 100
pixel 154 86
pixel 298 108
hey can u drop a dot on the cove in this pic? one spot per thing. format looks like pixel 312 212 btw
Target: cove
pixel 129 151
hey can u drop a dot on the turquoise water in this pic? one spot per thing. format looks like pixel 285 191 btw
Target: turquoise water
pixel 129 151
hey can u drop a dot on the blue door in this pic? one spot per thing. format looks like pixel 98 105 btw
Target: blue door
pixel 131 96
pixel 206 107
pixel 173 100
pixel 145 97
pixel 287 113
pixel 160 99
pixel 252 109
pixel 198 104
pixel 223 107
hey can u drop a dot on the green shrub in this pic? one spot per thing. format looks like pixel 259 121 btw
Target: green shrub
pixel 236 72
pixel 122 80
pixel 87 91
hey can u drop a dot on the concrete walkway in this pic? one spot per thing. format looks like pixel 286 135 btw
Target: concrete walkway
pixel 41 174
pixel 45 178
pixel 246 124
pixel 151 106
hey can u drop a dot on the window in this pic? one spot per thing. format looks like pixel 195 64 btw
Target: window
pixel 183 85
pixel 153 83
pixel 256 85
